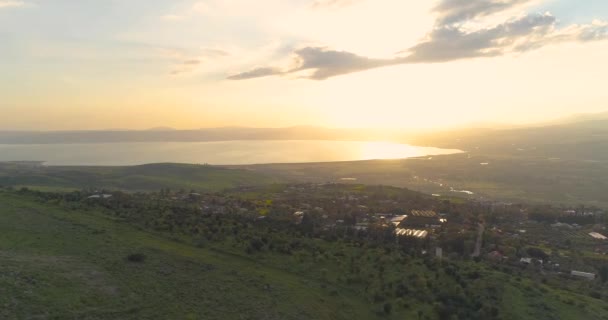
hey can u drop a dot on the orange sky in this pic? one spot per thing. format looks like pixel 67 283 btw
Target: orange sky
pixel 381 63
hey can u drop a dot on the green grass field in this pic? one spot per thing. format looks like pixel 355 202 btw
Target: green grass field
pixel 72 265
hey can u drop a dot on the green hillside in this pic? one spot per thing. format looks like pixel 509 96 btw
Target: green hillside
pixel 73 265
pixel 82 262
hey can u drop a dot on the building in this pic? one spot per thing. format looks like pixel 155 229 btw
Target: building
pixel 598 236
pixel 100 196
pixel 412 233
pixel 585 275
pixel 397 220
pixel 421 219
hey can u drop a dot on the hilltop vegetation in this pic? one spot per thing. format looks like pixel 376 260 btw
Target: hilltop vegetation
pixel 59 264
pixel 168 255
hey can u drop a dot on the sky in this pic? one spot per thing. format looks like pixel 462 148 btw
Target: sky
pixel 136 64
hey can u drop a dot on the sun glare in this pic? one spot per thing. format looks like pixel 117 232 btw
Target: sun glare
pixel 387 150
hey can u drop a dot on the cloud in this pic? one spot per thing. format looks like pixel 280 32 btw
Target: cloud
pixel 12 4
pixel 597 30
pixel 461 31
pixel 186 61
pixel 448 43
pixel 321 63
pixel 454 11
pixel 256 73
pixel 329 63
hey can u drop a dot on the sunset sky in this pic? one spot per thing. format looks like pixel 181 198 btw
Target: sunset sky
pixel 101 64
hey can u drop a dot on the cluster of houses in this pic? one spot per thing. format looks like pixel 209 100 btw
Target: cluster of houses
pixel 418 223
pixel 100 196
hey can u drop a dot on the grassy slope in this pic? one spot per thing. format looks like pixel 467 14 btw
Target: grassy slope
pixel 136 178
pixel 58 264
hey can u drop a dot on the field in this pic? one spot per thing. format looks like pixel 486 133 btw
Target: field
pixel 513 178
pixel 150 177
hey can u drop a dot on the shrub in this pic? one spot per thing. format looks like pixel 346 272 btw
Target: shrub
pixel 388 308
pixel 136 257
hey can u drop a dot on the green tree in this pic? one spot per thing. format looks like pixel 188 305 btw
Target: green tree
pixel 604 274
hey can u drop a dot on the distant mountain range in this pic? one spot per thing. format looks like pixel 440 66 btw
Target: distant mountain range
pixel 212 134
pixel 577 130
pixel 583 137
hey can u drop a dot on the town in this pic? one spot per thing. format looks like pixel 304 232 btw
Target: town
pixel 541 241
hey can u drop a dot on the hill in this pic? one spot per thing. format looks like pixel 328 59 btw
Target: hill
pixel 74 265
pixel 576 140
pixel 88 260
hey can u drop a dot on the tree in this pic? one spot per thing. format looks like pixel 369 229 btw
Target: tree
pixel 604 274
pixel 388 307
pixel 537 253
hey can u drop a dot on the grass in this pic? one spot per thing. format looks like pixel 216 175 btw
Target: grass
pixel 58 264
pixel 526 300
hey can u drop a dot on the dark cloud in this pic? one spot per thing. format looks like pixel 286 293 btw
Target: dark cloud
pixel 329 63
pixel 256 73
pixel 452 43
pixel 323 63
pixel 451 39
pixel 454 11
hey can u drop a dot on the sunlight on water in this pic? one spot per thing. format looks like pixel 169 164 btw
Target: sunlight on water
pixel 218 152
pixel 388 150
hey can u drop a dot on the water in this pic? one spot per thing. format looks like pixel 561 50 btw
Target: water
pixel 218 153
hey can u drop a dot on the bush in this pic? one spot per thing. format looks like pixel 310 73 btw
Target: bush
pixel 388 308
pixel 136 257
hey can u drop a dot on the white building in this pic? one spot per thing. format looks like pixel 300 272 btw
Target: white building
pixel 586 275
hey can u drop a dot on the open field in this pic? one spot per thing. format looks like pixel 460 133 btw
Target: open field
pixel 523 178
pixel 150 177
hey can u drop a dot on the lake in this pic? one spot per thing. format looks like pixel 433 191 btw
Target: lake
pixel 217 153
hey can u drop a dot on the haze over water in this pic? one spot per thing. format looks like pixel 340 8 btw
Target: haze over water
pixel 217 153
